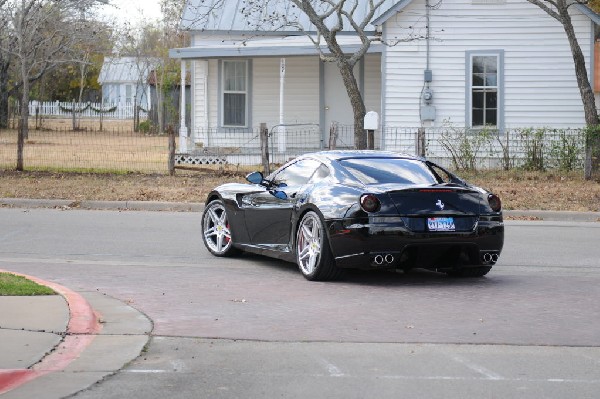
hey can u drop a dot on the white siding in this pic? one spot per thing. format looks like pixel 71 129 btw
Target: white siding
pixel 540 87
pixel 301 99
pixel 204 114
pixel 372 94
pixel 199 91
pixel 213 95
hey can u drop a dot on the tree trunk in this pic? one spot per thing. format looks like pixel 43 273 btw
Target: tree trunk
pixel 4 78
pixel 585 89
pixel 357 103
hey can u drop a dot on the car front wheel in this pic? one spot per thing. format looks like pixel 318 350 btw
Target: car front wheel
pixel 313 254
pixel 216 232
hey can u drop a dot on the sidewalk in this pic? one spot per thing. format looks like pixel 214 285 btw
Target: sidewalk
pixel 563 216
pixel 54 346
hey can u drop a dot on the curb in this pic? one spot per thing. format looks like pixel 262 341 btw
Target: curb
pixel 525 215
pixel 82 328
pixel 103 205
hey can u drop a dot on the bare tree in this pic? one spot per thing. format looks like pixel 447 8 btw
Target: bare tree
pixel 149 43
pixel 5 63
pixel 329 18
pixel 559 10
pixel 43 34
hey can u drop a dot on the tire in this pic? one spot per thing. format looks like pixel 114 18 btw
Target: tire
pixel 478 271
pixel 216 233
pixel 313 254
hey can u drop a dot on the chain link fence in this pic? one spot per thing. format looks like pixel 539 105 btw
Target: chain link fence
pixel 121 150
pixel 115 150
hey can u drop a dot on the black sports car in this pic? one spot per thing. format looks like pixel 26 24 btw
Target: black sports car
pixel 333 210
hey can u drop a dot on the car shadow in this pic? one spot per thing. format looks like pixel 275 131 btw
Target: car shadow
pixel 414 277
pixel 383 278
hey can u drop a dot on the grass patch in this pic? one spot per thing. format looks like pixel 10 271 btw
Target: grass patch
pixel 13 285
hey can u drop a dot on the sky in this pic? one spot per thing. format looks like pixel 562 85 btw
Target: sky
pixel 132 10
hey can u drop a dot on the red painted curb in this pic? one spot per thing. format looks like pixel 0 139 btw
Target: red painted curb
pixel 10 379
pixel 82 329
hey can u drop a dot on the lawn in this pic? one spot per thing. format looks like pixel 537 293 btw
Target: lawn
pixel 518 189
pixel 13 285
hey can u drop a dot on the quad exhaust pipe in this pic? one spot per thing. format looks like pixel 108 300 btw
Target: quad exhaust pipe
pixel 490 257
pixel 383 259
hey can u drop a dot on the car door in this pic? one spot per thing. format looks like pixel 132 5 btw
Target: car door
pixel 268 218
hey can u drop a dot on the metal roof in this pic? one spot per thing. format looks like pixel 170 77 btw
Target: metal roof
pixel 125 69
pixel 400 5
pixel 231 16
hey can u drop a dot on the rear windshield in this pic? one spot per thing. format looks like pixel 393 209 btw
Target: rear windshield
pixel 389 170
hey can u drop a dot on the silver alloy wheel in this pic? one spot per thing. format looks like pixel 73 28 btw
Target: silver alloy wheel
pixel 217 235
pixel 309 242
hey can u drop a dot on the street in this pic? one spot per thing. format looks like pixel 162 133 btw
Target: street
pixel 252 327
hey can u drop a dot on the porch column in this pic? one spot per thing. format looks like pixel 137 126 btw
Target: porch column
pixel 282 133
pixel 183 131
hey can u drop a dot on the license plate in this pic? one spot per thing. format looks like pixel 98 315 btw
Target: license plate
pixel 441 224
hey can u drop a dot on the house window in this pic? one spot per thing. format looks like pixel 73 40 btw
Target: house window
pixel 128 94
pixel 235 93
pixel 484 93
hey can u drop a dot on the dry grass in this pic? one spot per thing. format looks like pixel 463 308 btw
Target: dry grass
pixel 545 191
pixel 115 150
pixel 541 190
pixel 120 150
pixel 184 187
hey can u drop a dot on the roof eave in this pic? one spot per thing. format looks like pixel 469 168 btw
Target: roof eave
pixel 248 33
pixel 591 14
pixel 399 6
pixel 259 52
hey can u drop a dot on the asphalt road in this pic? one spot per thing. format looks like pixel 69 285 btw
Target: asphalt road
pixel 252 327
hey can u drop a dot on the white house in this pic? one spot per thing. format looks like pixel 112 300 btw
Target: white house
pixel 124 81
pixel 499 63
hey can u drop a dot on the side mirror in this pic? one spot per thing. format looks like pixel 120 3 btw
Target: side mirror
pixel 255 178
pixel 279 194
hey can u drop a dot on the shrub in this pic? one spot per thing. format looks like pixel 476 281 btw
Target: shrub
pixel 145 126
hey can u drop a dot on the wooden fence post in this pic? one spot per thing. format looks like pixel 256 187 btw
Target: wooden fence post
pixel 371 139
pixel 264 148
pixel 333 133
pixel 421 145
pixel 171 132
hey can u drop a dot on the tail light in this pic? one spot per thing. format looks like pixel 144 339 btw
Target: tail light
pixel 370 203
pixel 495 202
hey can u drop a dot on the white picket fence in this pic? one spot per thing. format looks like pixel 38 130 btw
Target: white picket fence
pixel 90 110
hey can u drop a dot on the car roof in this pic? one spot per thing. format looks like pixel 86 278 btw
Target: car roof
pixel 337 155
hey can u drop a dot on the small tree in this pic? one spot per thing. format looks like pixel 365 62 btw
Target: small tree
pixel 559 10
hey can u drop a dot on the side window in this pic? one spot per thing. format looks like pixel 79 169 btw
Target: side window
pixel 442 174
pixel 297 173
pixel 320 174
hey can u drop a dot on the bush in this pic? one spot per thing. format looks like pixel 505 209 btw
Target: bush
pixel 145 126
pixel 464 145
pixel 532 141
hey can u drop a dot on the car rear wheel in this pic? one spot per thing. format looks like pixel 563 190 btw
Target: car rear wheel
pixel 216 232
pixel 313 254
pixel 479 271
